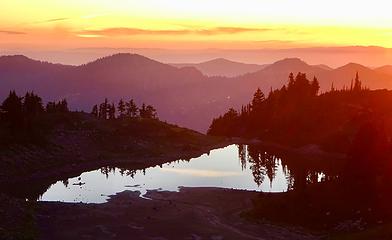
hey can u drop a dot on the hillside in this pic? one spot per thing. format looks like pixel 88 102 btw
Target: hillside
pixel 74 141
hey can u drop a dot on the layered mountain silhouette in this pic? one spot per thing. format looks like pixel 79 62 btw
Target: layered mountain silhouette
pixel 182 95
pixel 223 67
pixel 387 69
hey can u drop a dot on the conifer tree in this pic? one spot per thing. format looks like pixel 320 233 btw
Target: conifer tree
pixel 357 83
pixel 111 111
pixel 32 105
pixel 258 99
pixel 11 110
pixel 121 108
pixel 151 112
pixel 332 88
pixel 291 80
pixel 142 111
pixel 132 109
pixel 94 112
pixel 104 109
pixel 315 86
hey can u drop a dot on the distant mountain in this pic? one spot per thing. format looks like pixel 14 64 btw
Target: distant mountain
pixel 323 66
pixel 276 74
pixel 342 77
pixel 183 96
pixel 332 56
pixel 173 91
pixel 387 69
pixel 22 73
pixel 222 67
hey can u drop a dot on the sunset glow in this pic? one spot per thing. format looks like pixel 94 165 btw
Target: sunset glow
pixel 194 24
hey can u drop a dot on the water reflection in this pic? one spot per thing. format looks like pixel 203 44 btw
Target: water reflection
pixel 249 167
pixel 298 171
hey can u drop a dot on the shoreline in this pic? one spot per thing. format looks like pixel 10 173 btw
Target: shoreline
pixel 201 212
pixel 208 201
pixel 53 174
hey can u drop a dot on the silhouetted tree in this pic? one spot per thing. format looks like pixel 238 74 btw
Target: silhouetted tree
pixel 291 80
pixel 104 109
pixel 121 108
pixel 32 105
pixel 94 112
pixel 151 112
pixel 132 109
pixel 111 112
pixel 61 106
pixel 258 99
pixel 332 88
pixel 11 110
pixel 315 86
pixel 351 85
pixel 225 125
pixel 147 111
pixel 357 83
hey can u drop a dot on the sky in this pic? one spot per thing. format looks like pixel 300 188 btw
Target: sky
pixel 193 24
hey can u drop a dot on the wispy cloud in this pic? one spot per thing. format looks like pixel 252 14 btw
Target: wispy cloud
pixel 52 20
pixel 11 32
pixel 56 19
pixel 138 31
pixel 275 42
pixel 230 30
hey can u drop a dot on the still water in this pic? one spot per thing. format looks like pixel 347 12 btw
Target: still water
pixel 230 167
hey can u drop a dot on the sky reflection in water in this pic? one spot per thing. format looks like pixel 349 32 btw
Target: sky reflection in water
pixel 221 168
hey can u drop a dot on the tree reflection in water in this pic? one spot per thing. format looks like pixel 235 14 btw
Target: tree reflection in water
pixel 298 171
pixel 286 171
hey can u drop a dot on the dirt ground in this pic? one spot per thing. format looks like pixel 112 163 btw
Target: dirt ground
pixel 192 213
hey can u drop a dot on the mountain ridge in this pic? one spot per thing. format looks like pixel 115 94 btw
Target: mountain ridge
pixel 222 67
pixel 183 96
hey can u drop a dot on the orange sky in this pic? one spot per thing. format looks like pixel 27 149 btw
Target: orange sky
pixel 56 24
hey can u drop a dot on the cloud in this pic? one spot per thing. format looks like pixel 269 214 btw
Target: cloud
pixel 138 31
pixel 11 32
pixel 51 20
pixel 230 30
pixel 275 42
pixel 56 19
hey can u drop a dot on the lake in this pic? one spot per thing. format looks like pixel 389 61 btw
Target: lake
pixel 235 167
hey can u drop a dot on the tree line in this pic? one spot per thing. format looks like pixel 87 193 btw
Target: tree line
pixel 18 113
pixel 124 109
pixel 295 112
pixel 27 119
pixel 261 112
